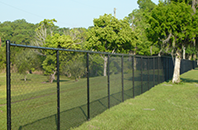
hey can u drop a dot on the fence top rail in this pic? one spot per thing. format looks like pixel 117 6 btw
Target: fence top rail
pixel 82 51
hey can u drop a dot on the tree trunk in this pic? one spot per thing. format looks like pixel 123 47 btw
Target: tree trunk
pixel 52 77
pixel 105 66
pixel 193 6
pixel 184 52
pixel 135 62
pixel 190 57
pixel 151 50
pixel 194 56
pixel 25 78
pixel 176 74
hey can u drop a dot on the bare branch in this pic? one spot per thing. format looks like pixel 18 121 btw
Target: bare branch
pixel 167 39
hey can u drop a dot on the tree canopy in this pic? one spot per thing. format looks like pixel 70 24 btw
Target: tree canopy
pixel 169 28
pixel 172 26
pixel 111 35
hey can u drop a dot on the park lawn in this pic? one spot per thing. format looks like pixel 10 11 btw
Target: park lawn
pixel 2 85
pixel 166 106
pixel 3 100
pixel 34 101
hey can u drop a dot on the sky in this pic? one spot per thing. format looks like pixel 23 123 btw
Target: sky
pixel 68 13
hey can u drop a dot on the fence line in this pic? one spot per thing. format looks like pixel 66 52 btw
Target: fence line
pixel 127 77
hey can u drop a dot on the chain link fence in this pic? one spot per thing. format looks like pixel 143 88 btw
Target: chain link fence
pixel 50 88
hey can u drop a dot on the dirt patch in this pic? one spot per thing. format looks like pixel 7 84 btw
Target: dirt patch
pixel 37 72
pixel 91 127
pixel 196 85
pixel 149 109
pixel 168 85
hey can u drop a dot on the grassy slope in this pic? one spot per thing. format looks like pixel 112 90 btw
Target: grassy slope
pixel 2 101
pixel 165 106
pixel 34 101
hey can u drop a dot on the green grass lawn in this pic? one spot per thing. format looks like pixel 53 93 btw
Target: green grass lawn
pixel 34 101
pixel 166 106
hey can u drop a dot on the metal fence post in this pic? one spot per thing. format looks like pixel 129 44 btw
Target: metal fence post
pixel 158 69
pixel 148 71
pixel 133 76
pixel 141 75
pixel 153 71
pixel 108 82
pixel 122 69
pixel 167 68
pixel 8 85
pixel 58 91
pixel 88 101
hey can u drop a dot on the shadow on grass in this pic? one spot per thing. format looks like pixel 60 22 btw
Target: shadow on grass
pixel 25 80
pixel 189 80
pixel 76 116
pixel 62 80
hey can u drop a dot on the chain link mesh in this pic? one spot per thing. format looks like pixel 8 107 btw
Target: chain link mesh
pixel 34 94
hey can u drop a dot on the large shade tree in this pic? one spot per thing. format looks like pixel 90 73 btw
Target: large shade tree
pixel 56 41
pixel 172 25
pixel 188 51
pixel 139 24
pixel 110 35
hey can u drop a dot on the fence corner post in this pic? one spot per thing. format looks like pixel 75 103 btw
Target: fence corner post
pixel 8 85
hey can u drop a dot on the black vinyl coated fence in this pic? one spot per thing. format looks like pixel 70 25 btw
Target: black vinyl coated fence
pixel 86 84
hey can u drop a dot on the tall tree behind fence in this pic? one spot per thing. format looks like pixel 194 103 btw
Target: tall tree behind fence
pixel 79 90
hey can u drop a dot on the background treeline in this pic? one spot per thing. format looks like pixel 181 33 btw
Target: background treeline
pixel 169 28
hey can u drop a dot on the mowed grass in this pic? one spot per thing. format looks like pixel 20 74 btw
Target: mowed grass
pixel 34 102
pixel 167 106
pixel 2 101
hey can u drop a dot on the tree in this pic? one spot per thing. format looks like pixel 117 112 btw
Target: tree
pixel 56 41
pixel 110 35
pixel 146 4
pixel 193 4
pixel 26 61
pixel 139 24
pixel 2 58
pixel 174 26
pixel 44 29
pixel 74 66
pixel 18 31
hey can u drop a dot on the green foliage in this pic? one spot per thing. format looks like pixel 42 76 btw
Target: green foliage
pixel 75 67
pixel 78 35
pixel 26 61
pixel 110 35
pixel 46 24
pixel 139 24
pixel 95 65
pixel 57 41
pixel 49 64
pixel 19 32
pixel 2 58
pixel 175 20
pixel 191 50
pixel 146 4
